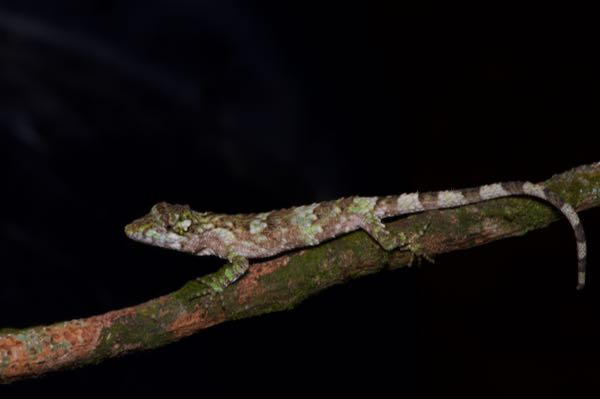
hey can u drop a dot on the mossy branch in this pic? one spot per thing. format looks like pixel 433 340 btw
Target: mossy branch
pixel 280 283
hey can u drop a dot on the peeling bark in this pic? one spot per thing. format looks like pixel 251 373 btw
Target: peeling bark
pixel 280 283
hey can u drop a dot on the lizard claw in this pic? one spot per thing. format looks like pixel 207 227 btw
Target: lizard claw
pixel 417 254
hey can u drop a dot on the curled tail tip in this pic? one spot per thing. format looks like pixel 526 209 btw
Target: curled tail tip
pixel 580 281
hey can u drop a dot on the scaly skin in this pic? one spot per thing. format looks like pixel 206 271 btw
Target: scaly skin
pixel 240 237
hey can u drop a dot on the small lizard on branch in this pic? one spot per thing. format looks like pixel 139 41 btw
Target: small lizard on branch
pixel 240 237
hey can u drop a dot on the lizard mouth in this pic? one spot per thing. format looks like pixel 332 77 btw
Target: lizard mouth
pixel 133 232
pixel 165 226
pixel 137 230
pixel 150 230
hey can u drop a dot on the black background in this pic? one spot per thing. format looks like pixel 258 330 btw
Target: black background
pixel 107 107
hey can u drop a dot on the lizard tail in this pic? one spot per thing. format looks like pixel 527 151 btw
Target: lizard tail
pixel 416 202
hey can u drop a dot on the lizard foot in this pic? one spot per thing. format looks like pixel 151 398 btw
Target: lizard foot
pixel 215 283
pixel 203 286
pixel 412 244
pixel 210 285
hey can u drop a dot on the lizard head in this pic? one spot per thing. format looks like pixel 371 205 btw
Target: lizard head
pixel 170 226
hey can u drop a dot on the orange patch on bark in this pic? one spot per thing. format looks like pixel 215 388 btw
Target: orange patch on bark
pixel 268 267
pixel 249 286
pixel 35 351
pixel 48 347
pixel 188 323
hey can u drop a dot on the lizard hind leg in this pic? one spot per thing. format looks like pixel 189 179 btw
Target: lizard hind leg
pixel 228 274
pixel 389 241
pixel 379 232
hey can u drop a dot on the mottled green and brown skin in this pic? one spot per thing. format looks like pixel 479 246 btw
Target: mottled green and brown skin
pixel 240 237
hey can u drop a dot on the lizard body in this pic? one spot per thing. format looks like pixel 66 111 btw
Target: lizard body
pixel 240 237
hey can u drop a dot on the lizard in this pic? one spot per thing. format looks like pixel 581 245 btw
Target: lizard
pixel 240 237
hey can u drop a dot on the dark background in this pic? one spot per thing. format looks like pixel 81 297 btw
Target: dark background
pixel 107 107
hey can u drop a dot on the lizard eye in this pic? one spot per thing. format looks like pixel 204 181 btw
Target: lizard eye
pixel 176 218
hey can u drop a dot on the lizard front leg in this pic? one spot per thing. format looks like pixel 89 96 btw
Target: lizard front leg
pixel 228 274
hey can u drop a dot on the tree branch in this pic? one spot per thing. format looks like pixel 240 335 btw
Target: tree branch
pixel 280 283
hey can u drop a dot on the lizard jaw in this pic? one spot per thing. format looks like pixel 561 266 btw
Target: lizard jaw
pixel 149 232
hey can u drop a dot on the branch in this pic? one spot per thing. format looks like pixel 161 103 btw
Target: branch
pixel 280 283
